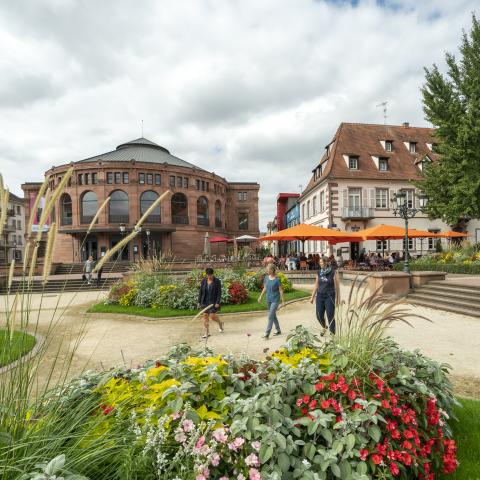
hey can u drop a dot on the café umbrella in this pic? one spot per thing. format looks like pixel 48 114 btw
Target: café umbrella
pixel 303 232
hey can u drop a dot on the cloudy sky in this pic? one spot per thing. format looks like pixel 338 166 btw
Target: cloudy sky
pixel 250 89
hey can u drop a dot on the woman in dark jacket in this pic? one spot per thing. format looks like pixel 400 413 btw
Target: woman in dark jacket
pixel 210 294
pixel 324 290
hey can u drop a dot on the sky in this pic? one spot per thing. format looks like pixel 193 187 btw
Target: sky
pixel 250 89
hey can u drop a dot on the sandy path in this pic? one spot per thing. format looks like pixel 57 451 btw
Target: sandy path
pixel 111 339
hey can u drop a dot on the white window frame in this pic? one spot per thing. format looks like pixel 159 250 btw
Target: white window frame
pixel 412 148
pixel 379 198
pixel 388 145
pixel 355 162
pixel 383 161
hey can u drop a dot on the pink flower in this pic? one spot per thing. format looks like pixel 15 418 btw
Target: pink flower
pixel 219 435
pixel 252 460
pixel 175 415
pixel 223 478
pixel 180 436
pixel 200 443
pixel 187 425
pixel 236 444
pixel 256 446
pixel 215 459
pixel 254 474
pixel 200 477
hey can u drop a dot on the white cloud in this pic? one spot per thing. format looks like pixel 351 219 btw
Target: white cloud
pixel 252 90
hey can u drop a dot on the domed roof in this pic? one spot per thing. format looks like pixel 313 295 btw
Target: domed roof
pixel 140 150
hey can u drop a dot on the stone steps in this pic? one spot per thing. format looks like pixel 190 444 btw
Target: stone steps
pixel 77 268
pixel 57 286
pixel 458 298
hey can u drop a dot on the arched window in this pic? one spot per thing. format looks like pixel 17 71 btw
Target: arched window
pixel 218 214
pixel 118 207
pixel 202 211
pixel 179 206
pixel 146 200
pixel 65 209
pixel 89 207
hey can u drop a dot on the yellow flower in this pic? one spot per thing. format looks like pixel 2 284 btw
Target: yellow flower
pixel 153 372
pixel 294 359
pixel 204 361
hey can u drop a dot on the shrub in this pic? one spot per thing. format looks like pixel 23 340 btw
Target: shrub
pixel 286 283
pixel 127 299
pixel 118 290
pixel 304 412
pixel 238 293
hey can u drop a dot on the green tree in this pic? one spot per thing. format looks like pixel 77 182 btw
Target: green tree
pixel 451 102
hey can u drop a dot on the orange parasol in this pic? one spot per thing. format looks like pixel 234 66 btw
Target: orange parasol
pixel 305 232
pixel 452 235
pixel 391 232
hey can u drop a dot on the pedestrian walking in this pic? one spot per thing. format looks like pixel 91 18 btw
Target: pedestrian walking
pixel 324 290
pixel 272 287
pixel 88 269
pixel 210 294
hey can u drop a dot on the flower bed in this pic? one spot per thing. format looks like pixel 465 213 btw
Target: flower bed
pixel 157 290
pixel 302 412
pixel 462 260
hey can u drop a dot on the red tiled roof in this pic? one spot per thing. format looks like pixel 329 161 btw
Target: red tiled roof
pixel 363 141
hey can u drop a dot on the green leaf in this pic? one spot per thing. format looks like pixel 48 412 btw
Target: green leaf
pixel 266 452
pixel 310 450
pixel 362 468
pixel 337 446
pixel 375 433
pixel 327 435
pixel 284 462
pixel 336 470
pixel 350 441
pixel 55 465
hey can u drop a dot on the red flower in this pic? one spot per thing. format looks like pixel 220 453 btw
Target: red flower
pixel 394 469
pixel 107 409
pixel 319 386
pixel 396 435
pixel 391 426
pixel 312 404
pixel 333 387
pixel 352 395
pixel 408 434
pixel 344 388
pixel 363 454
pixel 356 382
pixel 299 402
pixel 407 459
pixel 328 377
pixel 396 412
pixel 158 364
pixel 376 459
pixel 407 445
pixel 357 406
pixel 306 398
pixel 385 404
pixel 324 404
pixel 341 380
pixel 304 411
pixel 339 418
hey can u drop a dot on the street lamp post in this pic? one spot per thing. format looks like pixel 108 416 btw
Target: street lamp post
pixel 402 210
pixel 147 231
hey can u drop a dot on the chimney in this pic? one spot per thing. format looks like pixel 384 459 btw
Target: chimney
pixel 405 124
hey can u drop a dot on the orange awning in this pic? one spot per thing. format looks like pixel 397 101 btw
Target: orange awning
pixel 392 232
pixel 452 235
pixel 305 232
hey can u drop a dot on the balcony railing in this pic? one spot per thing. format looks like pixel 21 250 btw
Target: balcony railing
pixel 118 218
pixel 203 221
pixel 180 219
pixel 357 212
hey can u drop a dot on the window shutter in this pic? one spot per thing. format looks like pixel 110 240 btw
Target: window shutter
pixel 371 201
pixel 344 198
pixel 364 199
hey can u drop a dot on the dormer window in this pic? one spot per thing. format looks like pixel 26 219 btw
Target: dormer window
pixel 388 145
pixel 383 164
pixel 353 163
pixel 413 147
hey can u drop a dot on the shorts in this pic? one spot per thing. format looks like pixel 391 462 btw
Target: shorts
pixel 211 309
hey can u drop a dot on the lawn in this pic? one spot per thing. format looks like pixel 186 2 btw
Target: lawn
pixel 11 351
pixel 249 306
pixel 466 432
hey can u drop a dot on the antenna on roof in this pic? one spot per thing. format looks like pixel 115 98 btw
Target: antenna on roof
pixel 384 105
pixel 301 188
pixel 142 128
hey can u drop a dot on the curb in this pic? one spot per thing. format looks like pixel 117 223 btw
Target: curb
pixel 39 341
pixel 189 317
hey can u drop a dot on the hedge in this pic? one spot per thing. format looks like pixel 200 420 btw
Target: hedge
pixel 472 269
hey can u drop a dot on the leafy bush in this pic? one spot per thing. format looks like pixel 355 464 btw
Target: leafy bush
pixel 305 412
pixel 286 283
pixel 238 293
pixel 127 299
pixel 118 290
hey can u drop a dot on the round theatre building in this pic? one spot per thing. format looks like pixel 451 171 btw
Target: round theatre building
pixel 133 176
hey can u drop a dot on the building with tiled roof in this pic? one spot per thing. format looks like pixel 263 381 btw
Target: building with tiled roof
pixel 362 167
pixel 133 176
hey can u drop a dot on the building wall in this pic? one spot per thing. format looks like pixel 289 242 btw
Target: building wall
pixel 338 205
pixel 12 241
pixel 182 240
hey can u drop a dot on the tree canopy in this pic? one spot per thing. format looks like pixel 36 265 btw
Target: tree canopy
pixel 451 102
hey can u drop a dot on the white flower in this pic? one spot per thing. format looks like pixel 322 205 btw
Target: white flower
pixel 306 463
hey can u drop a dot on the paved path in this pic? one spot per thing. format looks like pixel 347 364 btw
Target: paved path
pixel 111 339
